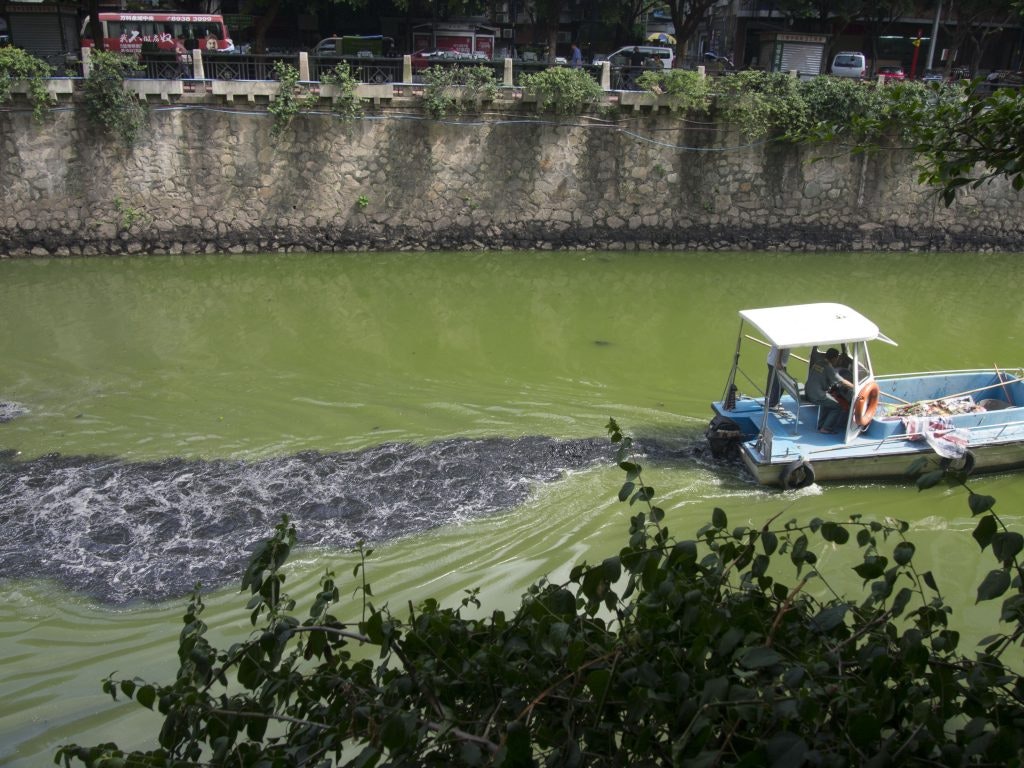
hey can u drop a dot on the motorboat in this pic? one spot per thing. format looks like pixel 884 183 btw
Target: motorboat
pixel 887 426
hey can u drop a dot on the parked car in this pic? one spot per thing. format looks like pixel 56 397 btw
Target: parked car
pixel 622 56
pixel 424 58
pixel 891 74
pixel 850 64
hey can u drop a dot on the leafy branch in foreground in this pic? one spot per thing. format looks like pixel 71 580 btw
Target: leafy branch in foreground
pixel 698 651
pixel 969 141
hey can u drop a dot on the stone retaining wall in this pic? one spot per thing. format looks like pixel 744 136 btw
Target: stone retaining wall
pixel 208 178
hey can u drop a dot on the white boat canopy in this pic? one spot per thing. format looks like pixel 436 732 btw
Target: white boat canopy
pixel 809 325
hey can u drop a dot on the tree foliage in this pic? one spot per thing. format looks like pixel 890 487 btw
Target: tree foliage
pixel 965 142
pixel 728 648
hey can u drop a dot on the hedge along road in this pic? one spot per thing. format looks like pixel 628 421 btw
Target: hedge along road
pixel 448 408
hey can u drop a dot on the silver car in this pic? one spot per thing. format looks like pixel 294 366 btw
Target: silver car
pixel 850 64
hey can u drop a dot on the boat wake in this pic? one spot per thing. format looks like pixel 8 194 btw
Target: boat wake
pixel 122 531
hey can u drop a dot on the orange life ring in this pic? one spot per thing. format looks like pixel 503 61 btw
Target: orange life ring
pixel 866 404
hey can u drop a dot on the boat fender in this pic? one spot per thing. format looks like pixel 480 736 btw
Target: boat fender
pixel 968 463
pixel 866 404
pixel 797 474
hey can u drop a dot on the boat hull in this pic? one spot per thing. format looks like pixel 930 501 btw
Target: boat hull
pixel 896 466
pixel 784 448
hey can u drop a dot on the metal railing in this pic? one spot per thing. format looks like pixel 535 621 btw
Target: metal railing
pixel 373 70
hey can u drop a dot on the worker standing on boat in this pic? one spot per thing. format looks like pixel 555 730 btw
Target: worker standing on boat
pixel 777 360
pixel 821 375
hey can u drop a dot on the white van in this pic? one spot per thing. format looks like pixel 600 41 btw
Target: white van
pixel 850 64
pixel 623 56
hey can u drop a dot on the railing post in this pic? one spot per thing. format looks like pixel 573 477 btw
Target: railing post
pixel 86 61
pixel 304 66
pixel 794 73
pixel 606 75
pixel 702 71
pixel 508 73
pixel 407 68
pixel 198 71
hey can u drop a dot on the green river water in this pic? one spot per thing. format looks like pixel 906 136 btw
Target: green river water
pixel 222 378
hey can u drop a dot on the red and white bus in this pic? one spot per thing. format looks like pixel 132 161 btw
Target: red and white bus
pixel 129 32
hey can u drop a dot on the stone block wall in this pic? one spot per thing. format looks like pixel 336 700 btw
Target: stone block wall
pixel 209 178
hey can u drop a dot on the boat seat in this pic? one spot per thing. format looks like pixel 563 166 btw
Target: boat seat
pixel 790 386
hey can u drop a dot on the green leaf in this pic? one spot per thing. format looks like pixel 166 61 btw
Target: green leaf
pixel 985 530
pixel 146 696
pixel 760 657
pixel 1006 545
pixel 830 618
pixel 865 729
pixel 719 519
pixel 799 552
pixel 597 682
pixel 626 490
pixel 993 585
pixel 872 567
pixel 786 750
pixel 903 553
pixel 397 731
pixel 979 503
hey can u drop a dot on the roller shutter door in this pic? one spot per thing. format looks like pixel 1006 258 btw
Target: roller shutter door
pixel 39 34
pixel 803 57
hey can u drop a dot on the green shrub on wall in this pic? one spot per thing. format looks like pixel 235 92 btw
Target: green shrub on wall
pixel 682 89
pixel 759 103
pixel 15 65
pixel 450 89
pixel 108 105
pixel 563 90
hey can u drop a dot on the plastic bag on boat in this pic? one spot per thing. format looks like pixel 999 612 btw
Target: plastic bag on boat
pixel 947 443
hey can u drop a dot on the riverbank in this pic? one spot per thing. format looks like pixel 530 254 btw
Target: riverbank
pixel 208 177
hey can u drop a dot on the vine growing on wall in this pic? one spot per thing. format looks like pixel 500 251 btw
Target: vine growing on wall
pixel 292 98
pixel 347 105
pixel 114 110
pixel 18 65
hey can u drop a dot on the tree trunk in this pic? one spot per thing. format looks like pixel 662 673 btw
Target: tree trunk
pixel 259 43
pixel 95 29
